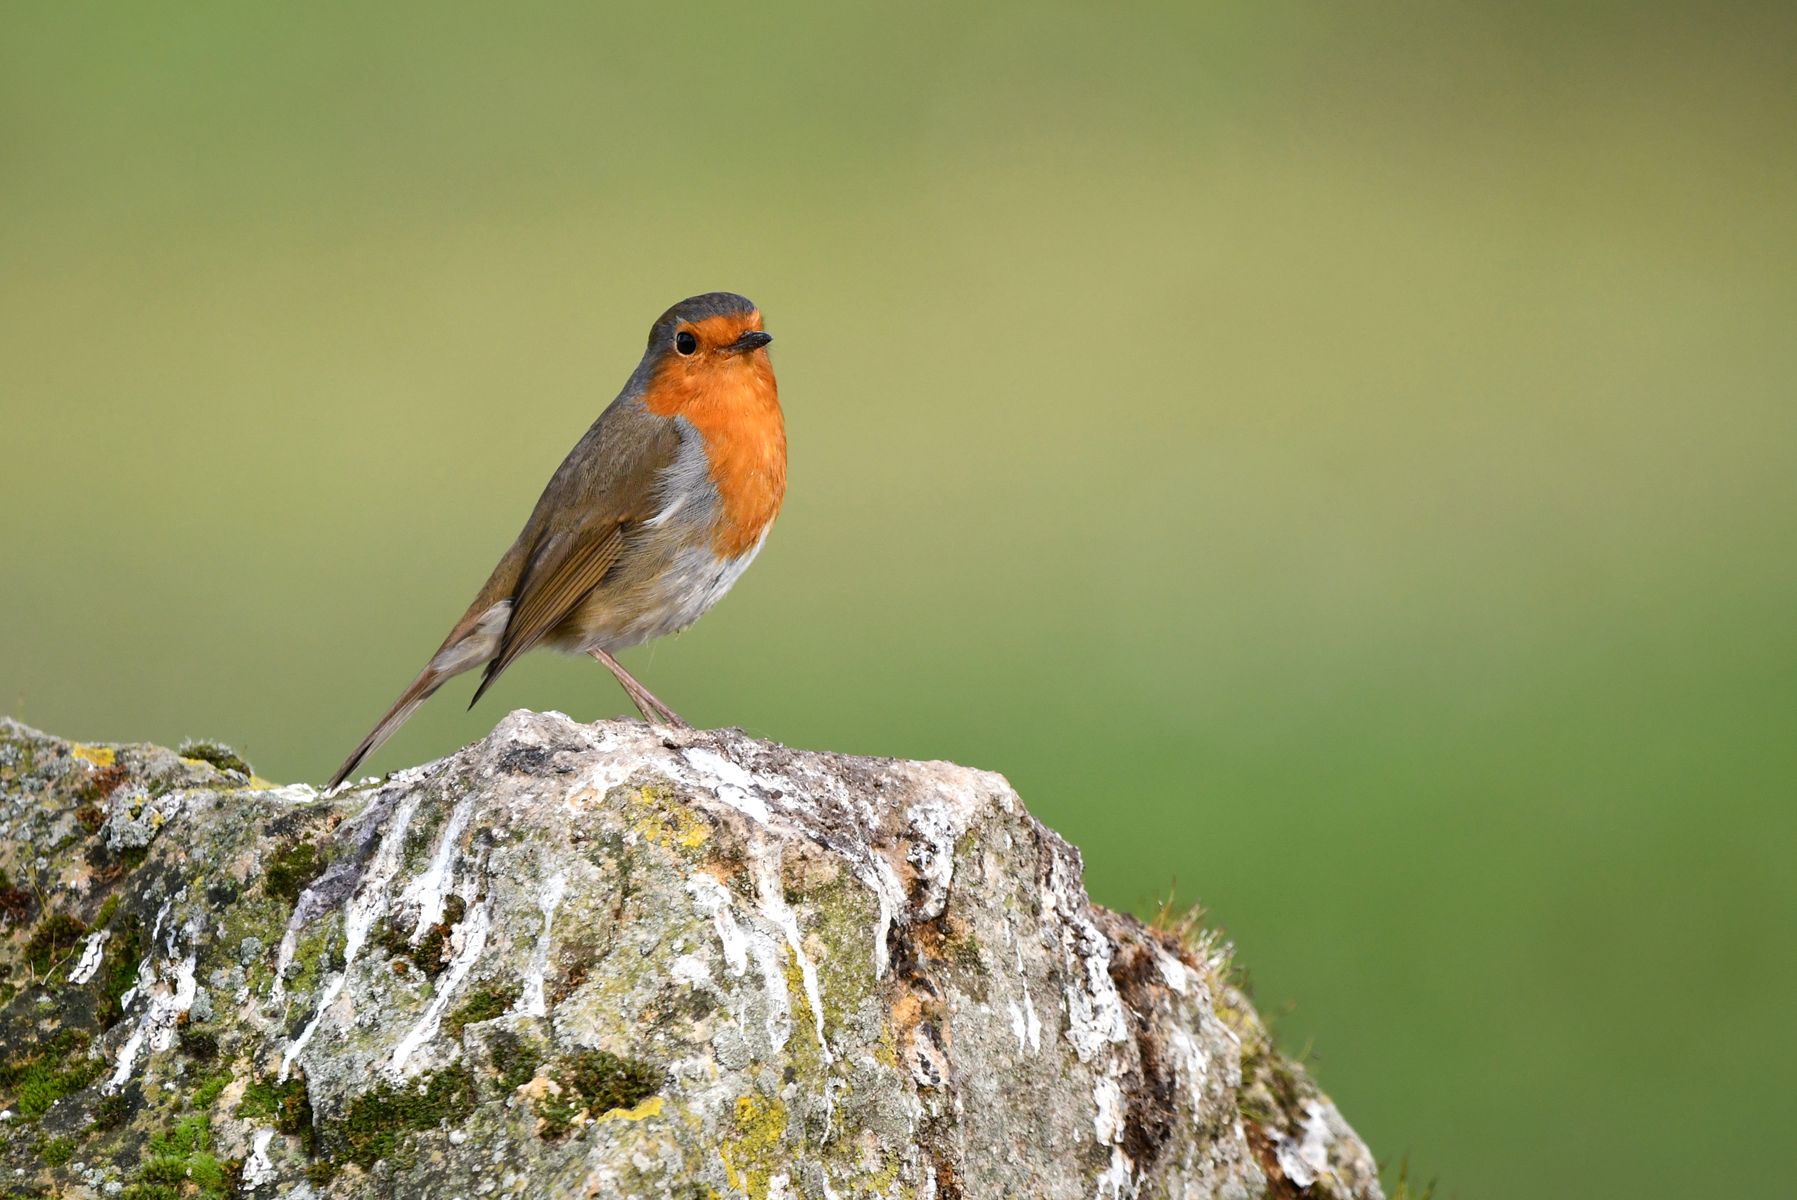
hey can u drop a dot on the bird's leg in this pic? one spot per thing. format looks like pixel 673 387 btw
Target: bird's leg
pixel 652 709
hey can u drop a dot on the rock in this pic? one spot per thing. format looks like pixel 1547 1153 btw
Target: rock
pixel 605 960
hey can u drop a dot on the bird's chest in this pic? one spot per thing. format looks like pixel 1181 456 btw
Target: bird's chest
pixel 735 455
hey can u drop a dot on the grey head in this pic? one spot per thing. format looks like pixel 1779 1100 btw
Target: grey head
pixel 738 313
pixel 701 329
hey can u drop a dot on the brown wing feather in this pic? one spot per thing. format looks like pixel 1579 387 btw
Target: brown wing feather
pixel 578 531
pixel 547 598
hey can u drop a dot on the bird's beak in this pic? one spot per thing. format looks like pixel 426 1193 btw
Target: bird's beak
pixel 753 340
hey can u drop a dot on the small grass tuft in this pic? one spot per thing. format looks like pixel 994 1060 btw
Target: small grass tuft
pixel 1181 923
pixel 1403 1189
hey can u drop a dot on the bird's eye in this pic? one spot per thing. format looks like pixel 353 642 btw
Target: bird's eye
pixel 685 342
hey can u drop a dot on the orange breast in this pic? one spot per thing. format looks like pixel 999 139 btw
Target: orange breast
pixel 735 406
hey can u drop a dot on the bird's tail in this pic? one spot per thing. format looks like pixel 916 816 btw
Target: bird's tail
pixel 428 681
pixel 473 642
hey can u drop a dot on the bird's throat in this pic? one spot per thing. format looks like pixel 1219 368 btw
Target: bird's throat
pixel 735 407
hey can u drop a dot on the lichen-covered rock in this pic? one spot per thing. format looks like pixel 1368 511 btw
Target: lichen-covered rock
pixel 605 960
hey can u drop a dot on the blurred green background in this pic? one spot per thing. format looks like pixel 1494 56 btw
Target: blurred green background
pixel 1339 459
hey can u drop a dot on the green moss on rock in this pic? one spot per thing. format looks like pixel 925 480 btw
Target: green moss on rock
pixel 375 1121
pixel 837 912
pixel 180 1165
pixel 118 969
pixel 110 1112
pixel 431 954
pixel 515 1059
pixel 43 1073
pixel 317 953
pixel 52 941
pixel 286 1106
pixel 593 1082
pixel 216 753
pixel 292 870
pixel 197 1043
pixel 209 1089
pixel 484 1003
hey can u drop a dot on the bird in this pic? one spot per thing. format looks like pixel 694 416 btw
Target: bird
pixel 651 518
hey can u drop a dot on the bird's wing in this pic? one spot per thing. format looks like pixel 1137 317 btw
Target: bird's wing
pixel 581 524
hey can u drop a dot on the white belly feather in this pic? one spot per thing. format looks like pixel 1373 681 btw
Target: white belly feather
pixel 694 580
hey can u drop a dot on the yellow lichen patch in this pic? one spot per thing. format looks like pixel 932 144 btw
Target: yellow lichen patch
pixel 648 1108
pixel 886 1052
pixel 795 986
pixel 667 824
pixel 887 1174
pixel 100 756
pixel 803 1045
pixel 752 1156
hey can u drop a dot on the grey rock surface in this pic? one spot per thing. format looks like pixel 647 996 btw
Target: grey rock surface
pixel 606 960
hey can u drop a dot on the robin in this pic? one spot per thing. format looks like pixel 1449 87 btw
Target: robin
pixel 650 519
